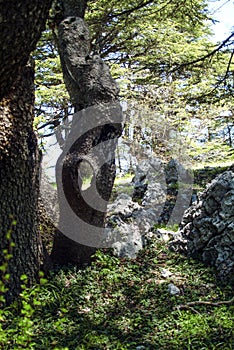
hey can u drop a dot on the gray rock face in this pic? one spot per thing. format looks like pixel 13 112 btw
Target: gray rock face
pixel 208 227
pixel 123 226
pixel 132 218
pixel 149 182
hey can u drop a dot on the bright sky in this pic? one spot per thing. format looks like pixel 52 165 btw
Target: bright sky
pixel 223 11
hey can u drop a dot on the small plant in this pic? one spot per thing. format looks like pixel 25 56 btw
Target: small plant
pixel 16 320
pixel 123 304
pixel 6 255
pixel 174 227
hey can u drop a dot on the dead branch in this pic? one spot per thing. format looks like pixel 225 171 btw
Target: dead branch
pixel 190 304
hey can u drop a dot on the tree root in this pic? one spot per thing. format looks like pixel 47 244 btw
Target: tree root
pixel 190 304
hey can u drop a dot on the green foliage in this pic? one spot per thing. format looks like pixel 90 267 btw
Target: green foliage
pixel 149 46
pixel 17 321
pixel 211 153
pixel 20 333
pixel 173 227
pixel 122 304
pixel 6 256
pixel 52 100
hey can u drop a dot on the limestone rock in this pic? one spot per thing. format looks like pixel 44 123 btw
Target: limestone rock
pixel 173 290
pixel 208 227
pixel 133 218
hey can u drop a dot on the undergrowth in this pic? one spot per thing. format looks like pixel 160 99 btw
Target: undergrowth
pixel 211 153
pixel 123 304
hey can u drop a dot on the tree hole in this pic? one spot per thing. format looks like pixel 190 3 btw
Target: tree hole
pixel 85 171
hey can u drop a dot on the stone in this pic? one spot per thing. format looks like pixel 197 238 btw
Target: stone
pixel 130 241
pixel 123 206
pixel 154 198
pixel 139 191
pixel 166 273
pixel 173 290
pixel 207 228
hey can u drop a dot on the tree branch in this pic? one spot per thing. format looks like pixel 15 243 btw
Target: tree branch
pixel 199 302
pixel 127 12
pixel 203 58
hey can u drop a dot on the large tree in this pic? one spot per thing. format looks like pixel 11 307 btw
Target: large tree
pixel 19 157
pixel 151 58
pixel 90 84
pixel 21 25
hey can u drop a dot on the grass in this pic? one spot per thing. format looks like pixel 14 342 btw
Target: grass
pixel 121 180
pixel 212 154
pixel 217 164
pixel 122 184
pixel 123 304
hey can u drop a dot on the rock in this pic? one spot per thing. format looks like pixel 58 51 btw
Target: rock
pixel 130 240
pixel 149 181
pixel 146 218
pixel 129 237
pixel 208 227
pixel 165 187
pixel 139 191
pixel 165 235
pixel 155 195
pixel 154 199
pixel 171 171
pixel 173 290
pixel 123 206
pixel 166 273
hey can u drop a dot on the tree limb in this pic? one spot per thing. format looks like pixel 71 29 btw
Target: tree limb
pixel 203 58
pixel 199 302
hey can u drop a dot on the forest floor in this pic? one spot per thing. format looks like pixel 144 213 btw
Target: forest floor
pixel 161 300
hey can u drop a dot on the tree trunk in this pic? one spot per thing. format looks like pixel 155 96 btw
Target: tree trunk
pixel 19 159
pixel 20 28
pixel 89 83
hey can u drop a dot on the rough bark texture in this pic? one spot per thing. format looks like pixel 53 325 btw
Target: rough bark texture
pixel 19 165
pixel 89 83
pixel 87 77
pixel 74 8
pixel 21 24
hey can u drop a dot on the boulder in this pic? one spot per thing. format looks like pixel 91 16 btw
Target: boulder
pixel 207 228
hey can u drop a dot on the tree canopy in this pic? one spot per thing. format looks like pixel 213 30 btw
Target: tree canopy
pixel 161 53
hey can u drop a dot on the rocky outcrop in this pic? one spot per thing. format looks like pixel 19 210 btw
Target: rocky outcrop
pixel 165 188
pixel 120 221
pixel 207 228
pixel 157 196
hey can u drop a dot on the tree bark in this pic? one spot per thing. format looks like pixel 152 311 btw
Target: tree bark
pixel 19 169
pixel 21 25
pixel 20 28
pixel 89 83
